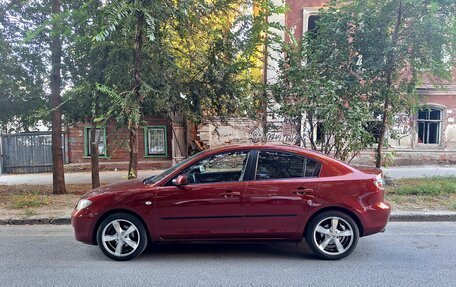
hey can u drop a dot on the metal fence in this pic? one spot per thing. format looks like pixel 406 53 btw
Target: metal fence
pixel 28 152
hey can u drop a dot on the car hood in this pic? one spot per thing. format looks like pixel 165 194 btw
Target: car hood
pixel 124 186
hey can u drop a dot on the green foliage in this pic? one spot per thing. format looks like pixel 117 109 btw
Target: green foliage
pixel 398 44
pixel 362 65
pixel 22 66
pixel 321 91
pixel 124 107
pixel 198 57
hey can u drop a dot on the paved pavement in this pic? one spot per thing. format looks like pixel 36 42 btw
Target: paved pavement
pixel 71 177
pixel 116 176
pixel 407 254
pixel 419 171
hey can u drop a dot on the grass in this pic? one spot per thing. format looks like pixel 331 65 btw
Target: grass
pixel 453 205
pixel 433 193
pixel 30 212
pixel 29 200
pixel 433 186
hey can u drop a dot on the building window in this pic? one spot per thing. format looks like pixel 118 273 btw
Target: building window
pixel 374 128
pixel 100 136
pixel 155 141
pixel 429 126
pixel 312 25
pixel 310 19
pixel 319 132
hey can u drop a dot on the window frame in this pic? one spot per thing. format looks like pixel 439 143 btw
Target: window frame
pixel 245 173
pixel 257 156
pixel 87 143
pixel 429 109
pixel 146 141
pixel 306 13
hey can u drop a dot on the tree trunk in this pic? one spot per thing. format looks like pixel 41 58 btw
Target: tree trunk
pixel 389 84
pixel 264 99
pixel 94 162
pixel 134 126
pixel 179 140
pixel 133 165
pixel 58 176
pixel 381 139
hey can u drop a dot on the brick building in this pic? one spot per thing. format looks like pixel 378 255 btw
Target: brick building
pixel 154 139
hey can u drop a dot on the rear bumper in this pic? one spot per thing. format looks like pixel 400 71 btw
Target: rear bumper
pixel 376 217
pixel 83 223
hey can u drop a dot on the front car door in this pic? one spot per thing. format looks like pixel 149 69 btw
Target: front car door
pixel 276 200
pixel 209 206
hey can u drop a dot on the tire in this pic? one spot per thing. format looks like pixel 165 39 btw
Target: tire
pixel 124 229
pixel 331 243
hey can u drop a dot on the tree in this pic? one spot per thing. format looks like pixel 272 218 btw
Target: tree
pixel 397 44
pixel 144 15
pixel 58 174
pixel 315 87
pixel 378 52
pixel 22 68
pixel 190 57
pixel 87 64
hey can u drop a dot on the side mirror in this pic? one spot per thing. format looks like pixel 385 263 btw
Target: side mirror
pixel 181 180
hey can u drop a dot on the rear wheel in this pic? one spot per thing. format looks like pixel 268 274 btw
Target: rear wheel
pixel 122 236
pixel 332 235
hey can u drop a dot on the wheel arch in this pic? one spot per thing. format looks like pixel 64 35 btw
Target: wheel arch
pixel 113 211
pixel 336 208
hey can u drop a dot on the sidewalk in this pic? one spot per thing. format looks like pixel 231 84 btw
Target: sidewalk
pixel 106 177
pixel 419 171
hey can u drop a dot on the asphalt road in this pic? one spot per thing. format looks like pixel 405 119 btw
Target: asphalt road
pixel 407 254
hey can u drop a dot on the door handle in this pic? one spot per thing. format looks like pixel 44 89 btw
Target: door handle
pixel 229 194
pixel 303 191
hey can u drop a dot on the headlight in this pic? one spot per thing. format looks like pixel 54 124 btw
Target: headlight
pixel 83 203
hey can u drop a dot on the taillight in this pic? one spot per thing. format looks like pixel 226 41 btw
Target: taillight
pixel 379 181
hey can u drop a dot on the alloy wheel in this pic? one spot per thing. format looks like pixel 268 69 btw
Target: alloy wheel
pixel 120 237
pixel 333 235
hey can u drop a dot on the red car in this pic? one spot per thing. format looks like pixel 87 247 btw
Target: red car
pixel 243 193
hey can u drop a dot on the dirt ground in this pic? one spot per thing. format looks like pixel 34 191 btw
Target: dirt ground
pixel 19 201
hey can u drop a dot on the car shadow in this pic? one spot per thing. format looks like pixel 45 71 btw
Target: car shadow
pixel 263 250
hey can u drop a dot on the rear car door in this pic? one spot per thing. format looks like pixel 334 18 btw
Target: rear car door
pixel 209 206
pixel 279 194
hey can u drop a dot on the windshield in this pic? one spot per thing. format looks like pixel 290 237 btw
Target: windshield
pixel 156 178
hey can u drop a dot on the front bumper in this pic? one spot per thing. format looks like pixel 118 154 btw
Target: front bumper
pixel 83 222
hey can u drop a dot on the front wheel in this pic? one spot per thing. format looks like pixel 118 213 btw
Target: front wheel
pixel 121 236
pixel 332 235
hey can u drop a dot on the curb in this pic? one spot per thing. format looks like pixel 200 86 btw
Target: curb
pixel 36 221
pixel 422 216
pixel 395 217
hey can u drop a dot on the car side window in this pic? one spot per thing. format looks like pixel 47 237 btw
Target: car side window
pixel 277 165
pixel 229 166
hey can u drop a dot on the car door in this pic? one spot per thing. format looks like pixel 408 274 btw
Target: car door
pixel 277 197
pixel 209 206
